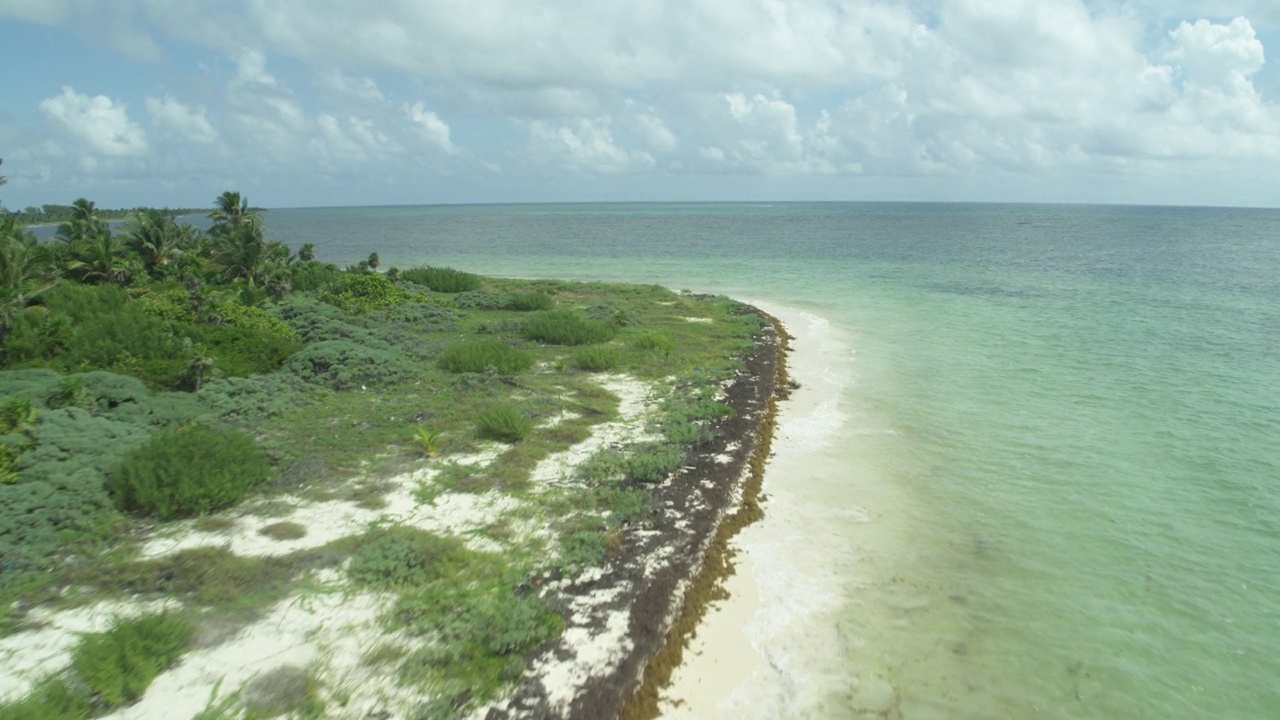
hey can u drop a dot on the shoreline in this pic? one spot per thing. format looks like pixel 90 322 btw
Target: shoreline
pixel 731 668
pixel 669 574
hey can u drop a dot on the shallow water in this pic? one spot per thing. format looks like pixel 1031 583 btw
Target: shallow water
pixel 1053 481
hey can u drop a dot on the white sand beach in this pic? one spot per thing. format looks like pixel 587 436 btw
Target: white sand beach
pixel 771 649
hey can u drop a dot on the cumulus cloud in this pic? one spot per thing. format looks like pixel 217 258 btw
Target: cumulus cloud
pixel 182 120
pixel 784 88
pixel 102 125
pixel 586 144
pixel 430 127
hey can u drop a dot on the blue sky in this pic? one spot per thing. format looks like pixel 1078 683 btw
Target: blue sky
pixel 327 102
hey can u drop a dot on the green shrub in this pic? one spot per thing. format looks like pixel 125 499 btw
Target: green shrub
pixel 483 300
pixel 343 365
pixel 17 414
pixel 312 275
pixel 442 279
pixel 118 665
pixel 8 464
pixel 477 356
pixel 188 471
pixel 656 341
pixel 596 359
pixel 530 302
pixel 256 398
pixel 247 317
pixel 565 327
pixel 54 698
pixel 504 422
pixel 398 557
pixel 652 462
pixel 359 293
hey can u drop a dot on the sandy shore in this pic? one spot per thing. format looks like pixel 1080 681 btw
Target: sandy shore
pixel 759 654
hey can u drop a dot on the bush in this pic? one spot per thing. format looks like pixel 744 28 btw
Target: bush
pixel 117 666
pixel 343 365
pixel 312 275
pixel 480 355
pixel 656 341
pixel 596 359
pixel 652 462
pixel 247 317
pixel 565 327
pixel 399 557
pixel 442 279
pixel 359 293
pixel 504 422
pixel 108 670
pixel 483 300
pixel 530 302
pixel 188 471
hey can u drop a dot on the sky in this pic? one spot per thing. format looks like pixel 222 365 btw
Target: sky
pixel 299 103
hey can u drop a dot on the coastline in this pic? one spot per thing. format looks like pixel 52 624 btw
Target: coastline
pixel 638 612
pixel 745 658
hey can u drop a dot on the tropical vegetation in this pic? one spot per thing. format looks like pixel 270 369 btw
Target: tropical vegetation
pixel 154 374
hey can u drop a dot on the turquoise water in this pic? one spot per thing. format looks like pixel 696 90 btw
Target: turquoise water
pixel 1078 409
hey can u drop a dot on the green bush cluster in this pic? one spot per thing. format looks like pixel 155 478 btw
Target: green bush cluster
pixel 505 422
pixel 655 341
pixel 396 557
pixel 480 633
pixel 256 398
pixel 343 365
pixel 359 292
pixel 261 322
pixel 596 358
pixel 499 300
pixel 652 462
pixel 565 327
pixel 310 275
pixel 108 670
pixel 530 302
pixel 442 279
pixel 475 356
pixel 188 471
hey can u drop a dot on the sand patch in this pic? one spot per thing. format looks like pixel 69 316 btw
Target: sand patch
pixel 635 403
pixel 29 655
pixel 325 634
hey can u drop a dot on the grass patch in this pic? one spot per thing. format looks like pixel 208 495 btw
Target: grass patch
pixel 396 557
pixel 596 358
pixel 284 531
pixel 108 670
pixel 505 422
pixel 442 279
pixel 485 355
pixel 566 327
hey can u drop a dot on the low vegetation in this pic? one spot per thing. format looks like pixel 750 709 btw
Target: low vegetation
pixel 162 379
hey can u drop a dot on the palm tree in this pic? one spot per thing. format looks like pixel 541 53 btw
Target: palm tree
pixel 103 258
pixel 24 273
pixel 307 252
pixel 84 223
pixel 159 240
pixel 244 255
pixel 230 211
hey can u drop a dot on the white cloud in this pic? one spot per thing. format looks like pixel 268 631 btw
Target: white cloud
pixel 345 87
pixel 430 127
pixel 586 144
pixel 188 124
pixel 102 125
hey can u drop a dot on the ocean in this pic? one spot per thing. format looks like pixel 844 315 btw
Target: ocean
pixel 1050 480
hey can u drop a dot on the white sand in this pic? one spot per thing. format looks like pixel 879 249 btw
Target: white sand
pixel 636 403
pixel 326 521
pixel 753 654
pixel 29 655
